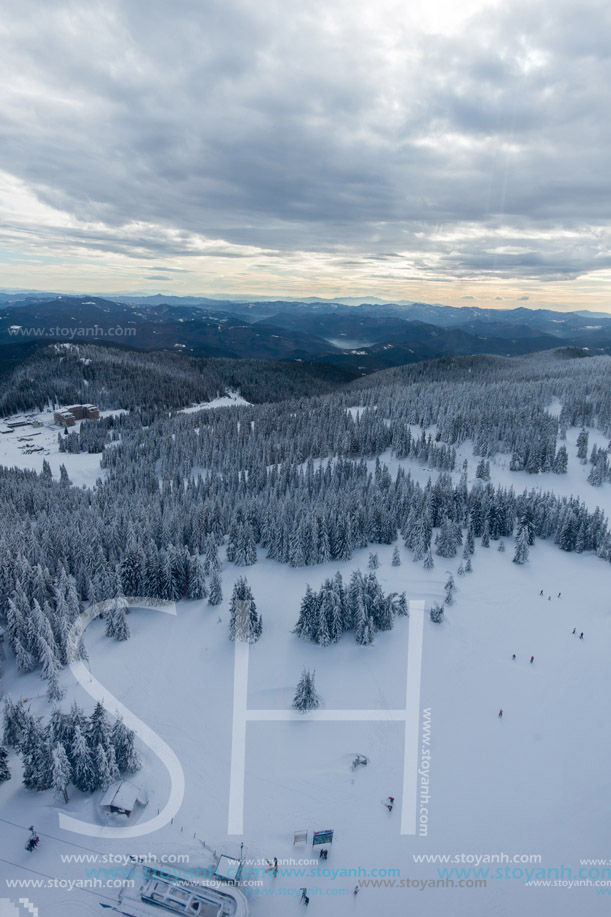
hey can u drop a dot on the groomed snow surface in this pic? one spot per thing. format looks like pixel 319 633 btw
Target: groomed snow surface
pixel 534 783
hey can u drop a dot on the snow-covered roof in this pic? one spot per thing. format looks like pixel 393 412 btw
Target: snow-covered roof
pixel 228 868
pixel 124 795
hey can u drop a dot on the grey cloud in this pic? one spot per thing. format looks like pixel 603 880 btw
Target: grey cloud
pixel 171 270
pixel 257 125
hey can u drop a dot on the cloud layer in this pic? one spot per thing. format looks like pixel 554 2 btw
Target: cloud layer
pixel 320 139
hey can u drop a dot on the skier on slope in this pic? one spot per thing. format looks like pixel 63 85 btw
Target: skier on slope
pixel 581 636
pixel 33 840
pixel 355 890
pixel 532 658
pixel 500 713
pixel 574 630
pixel 513 657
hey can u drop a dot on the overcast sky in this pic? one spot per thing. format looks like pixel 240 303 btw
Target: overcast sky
pixel 408 150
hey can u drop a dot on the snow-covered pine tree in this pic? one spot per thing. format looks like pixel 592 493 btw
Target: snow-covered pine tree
pixel 215 596
pixel 521 552
pixel 436 613
pixel 103 776
pixel 99 732
pixel 306 697
pixel 211 556
pixel 83 769
pixel 62 772
pixel 111 758
pixel 450 589
pixel 121 627
pixel 306 623
pixel 396 557
pixel 244 622
pixel 401 606
pixel 36 754
pixel 429 562
pixel 5 773
pixel 14 723
pixel 196 585
pixel 561 461
pixel 127 758
pixel 374 562
pixel 582 446
pixel 446 539
pixel 110 628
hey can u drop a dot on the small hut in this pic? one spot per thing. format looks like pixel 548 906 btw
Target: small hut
pixel 121 798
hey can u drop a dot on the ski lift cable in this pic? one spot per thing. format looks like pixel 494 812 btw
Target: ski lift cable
pixel 52 837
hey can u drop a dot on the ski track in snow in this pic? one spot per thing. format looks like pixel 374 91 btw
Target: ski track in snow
pixel 146 735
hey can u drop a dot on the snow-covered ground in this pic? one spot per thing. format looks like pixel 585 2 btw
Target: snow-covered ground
pixel 533 783
pixel 228 400
pixel 83 468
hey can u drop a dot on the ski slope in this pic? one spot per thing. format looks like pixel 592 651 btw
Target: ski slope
pixel 533 783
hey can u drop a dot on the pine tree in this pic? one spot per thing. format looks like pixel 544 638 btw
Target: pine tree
pixel 306 697
pixel 561 462
pixel 521 552
pixel 244 622
pixel 211 557
pixel 5 773
pixel 127 759
pixel 62 772
pixel 36 753
pixel 396 558
pixel 103 776
pixel 215 596
pixel 99 732
pixel 582 446
pixel 401 607
pixel 436 613
pixel 196 586
pixel 374 562
pixel 429 563
pixel 15 721
pixel 446 540
pixel 450 589
pixel 110 628
pixel 111 759
pixel 83 773
pixel 306 624
pixel 120 628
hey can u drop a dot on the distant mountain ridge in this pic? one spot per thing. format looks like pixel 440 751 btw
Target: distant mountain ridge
pixel 356 338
